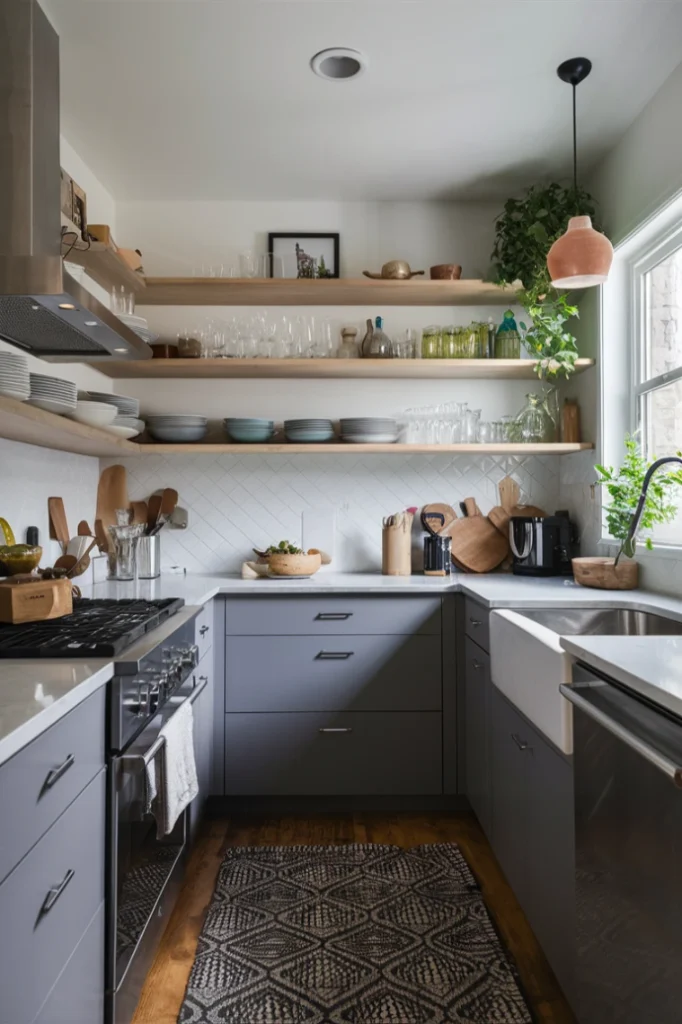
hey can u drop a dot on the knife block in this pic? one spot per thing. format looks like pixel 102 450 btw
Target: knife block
pixel 35 602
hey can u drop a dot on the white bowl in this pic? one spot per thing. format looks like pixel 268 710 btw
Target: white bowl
pixel 125 432
pixel 94 414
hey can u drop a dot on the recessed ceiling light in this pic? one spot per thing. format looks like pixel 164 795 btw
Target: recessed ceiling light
pixel 338 64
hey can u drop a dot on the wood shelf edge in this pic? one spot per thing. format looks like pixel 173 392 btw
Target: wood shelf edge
pixel 30 425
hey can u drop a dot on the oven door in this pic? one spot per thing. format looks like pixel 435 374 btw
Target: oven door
pixel 145 872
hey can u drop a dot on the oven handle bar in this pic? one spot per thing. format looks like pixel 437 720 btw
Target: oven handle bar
pixel 140 760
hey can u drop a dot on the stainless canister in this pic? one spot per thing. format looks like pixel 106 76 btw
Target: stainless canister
pixel 149 557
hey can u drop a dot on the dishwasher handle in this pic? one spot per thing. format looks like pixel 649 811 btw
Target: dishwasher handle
pixel 579 696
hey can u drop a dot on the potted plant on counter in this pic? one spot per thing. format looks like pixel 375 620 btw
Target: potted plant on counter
pixel 624 487
pixel 524 234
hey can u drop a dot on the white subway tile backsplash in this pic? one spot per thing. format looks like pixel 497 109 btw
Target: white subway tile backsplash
pixel 238 502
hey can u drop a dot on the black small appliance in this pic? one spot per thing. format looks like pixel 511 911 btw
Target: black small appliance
pixel 543 546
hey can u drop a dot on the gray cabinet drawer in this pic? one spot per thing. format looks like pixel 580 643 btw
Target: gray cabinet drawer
pixel 43 923
pixel 477 623
pixel 359 673
pixel 204 629
pixel 332 616
pixel 395 753
pixel 78 996
pixel 39 783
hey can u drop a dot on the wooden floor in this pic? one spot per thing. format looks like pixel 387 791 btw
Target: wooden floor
pixel 162 996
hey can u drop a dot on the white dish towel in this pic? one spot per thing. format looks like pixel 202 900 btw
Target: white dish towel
pixel 172 781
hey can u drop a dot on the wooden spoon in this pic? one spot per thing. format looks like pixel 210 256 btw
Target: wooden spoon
pixel 59 528
pixel 140 511
pixel 112 493
pixel 153 511
pixel 169 499
pixel 75 566
pixel 84 529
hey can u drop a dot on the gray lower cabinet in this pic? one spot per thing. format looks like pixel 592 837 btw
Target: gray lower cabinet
pixel 324 615
pixel 203 714
pixel 78 995
pixel 333 754
pixel 476 732
pixel 532 831
pixel 48 902
pixel 355 673
pixel 39 782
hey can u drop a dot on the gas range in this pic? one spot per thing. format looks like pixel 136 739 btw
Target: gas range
pixel 98 628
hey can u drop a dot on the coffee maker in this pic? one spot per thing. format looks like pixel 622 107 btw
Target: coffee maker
pixel 543 546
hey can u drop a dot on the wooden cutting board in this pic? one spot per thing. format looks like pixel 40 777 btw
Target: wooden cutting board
pixel 476 545
pixel 112 493
pixel 510 495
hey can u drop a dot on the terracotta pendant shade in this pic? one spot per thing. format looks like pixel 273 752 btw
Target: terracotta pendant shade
pixel 581 258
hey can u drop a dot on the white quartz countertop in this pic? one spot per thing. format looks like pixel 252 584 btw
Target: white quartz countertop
pixel 649 665
pixel 35 694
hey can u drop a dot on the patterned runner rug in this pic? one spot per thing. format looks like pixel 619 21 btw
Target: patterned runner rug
pixel 356 934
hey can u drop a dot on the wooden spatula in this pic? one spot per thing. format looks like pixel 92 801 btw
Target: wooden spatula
pixel 84 529
pixel 139 510
pixel 112 493
pixel 169 499
pixel 153 511
pixel 101 535
pixel 59 528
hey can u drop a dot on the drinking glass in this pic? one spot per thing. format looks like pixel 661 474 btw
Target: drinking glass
pixel 470 426
pixel 249 264
pixel 486 433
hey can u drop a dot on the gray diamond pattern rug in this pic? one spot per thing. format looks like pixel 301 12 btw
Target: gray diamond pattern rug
pixel 357 934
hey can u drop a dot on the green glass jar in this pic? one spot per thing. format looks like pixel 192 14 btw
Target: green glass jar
pixel 508 339
pixel 466 343
pixel 431 343
pixel 449 342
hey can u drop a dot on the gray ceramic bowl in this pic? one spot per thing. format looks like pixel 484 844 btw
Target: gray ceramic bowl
pixel 176 434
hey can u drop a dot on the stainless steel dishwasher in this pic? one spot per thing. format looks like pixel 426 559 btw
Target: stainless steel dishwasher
pixel 628 817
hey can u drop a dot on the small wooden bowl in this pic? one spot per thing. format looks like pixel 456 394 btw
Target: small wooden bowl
pixel 604 574
pixel 446 272
pixel 295 565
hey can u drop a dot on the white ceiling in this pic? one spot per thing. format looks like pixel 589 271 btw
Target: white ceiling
pixel 214 99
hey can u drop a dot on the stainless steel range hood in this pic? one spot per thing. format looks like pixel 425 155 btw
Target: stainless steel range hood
pixel 43 310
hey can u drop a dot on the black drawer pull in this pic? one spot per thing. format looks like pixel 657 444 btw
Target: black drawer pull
pixel 476 664
pixel 336 730
pixel 204 630
pixel 334 655
pixel 521 744
pixel 54 894
pixel 56 773
pixel 475 622
pixel 332 616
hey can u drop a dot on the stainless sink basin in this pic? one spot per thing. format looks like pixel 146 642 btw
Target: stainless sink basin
pixel 604 622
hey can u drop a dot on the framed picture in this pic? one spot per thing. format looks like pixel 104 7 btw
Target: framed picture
pixel 302 254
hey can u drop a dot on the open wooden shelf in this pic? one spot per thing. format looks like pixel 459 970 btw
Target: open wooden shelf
pixel 101 263
pixel 337 369
pixel 362 449
pixel 21 422
pixel 217 291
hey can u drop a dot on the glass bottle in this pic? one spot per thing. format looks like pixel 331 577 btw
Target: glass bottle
pixel 534 425
pixel 348 349
pixel 431 343
pixel 508 339
pixel 449 342
pixel 377 344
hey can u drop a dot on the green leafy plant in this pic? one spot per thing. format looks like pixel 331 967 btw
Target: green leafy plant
pixel 524 233
pixel 283 548
pixel 624 487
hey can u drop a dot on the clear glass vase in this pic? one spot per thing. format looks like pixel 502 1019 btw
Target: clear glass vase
pixel 534 424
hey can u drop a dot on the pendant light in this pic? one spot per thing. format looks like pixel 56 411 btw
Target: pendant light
pixel 582 257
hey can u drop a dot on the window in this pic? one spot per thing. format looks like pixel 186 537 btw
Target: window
pixel 640 316
pixel 657 394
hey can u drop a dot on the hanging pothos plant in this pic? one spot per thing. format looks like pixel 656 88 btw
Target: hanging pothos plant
pixel 524 233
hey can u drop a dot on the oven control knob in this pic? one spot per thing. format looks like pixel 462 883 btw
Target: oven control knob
pixel 189 656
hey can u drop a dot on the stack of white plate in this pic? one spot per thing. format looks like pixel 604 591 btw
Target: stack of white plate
pixel 52 393
pixel 14 377
pixel 126 406
pixel 139 326
pixel 369 430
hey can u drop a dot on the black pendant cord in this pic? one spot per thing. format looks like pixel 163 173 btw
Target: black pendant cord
pixel 573 72
pixel 575 149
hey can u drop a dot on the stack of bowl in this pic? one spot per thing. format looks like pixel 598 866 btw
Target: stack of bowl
pixel 177 429
pixel 249 430
pixel 369 430
pixel 94 414
pixel 308 431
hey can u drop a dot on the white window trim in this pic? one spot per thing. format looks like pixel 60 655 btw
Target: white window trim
pixel 622 317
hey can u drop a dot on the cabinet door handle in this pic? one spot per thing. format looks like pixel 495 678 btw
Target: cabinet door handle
pixel 521 744
pixel 332 616
pixel 54 894
pixel 334 655
pixel 336 730
pixel 476 664
pixel 475 622
pixel 204 630
pixel 56 773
